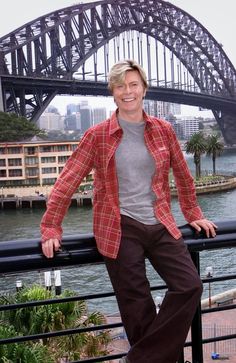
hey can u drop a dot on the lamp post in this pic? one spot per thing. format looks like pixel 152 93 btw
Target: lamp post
pixel 209 274
pixel 158 300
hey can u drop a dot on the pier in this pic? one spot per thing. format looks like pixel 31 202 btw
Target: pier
pixel 11 201
pixel 33 202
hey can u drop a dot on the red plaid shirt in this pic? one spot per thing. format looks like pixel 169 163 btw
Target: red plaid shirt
pixel 96 151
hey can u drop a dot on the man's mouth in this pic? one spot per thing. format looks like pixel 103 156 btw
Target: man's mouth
pixel 128 99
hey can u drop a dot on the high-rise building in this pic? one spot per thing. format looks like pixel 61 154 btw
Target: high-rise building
pixel 99 114
pixel 158 109
pixel 175 108
pixel 85 117
pixel 51 121
pixel 189 126
pixel 73 121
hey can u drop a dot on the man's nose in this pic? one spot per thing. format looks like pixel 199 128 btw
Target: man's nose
pixel 127 89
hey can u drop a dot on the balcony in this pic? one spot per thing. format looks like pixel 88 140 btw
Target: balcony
pixel 18 256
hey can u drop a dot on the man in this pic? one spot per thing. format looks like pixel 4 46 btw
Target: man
pixel 131 154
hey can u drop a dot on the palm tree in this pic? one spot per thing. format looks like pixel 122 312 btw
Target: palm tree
pixel 196 146
pixel 214 148
pixel 24 352
pixel 52 317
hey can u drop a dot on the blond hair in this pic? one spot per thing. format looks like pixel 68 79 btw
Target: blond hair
pixel 118 71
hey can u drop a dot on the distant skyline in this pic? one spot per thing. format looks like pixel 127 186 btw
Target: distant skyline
pixel 216 16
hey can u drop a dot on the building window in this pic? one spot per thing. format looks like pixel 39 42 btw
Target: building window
pixel 73 147
pixel 48 160
pixel 2 150
pixel 3 173
pixel 31 150
pixel 14 150
pixel 62 147
pixel 47 148
pixel 62 159
pixel 2 162
pixel 49 181
pixel 32 172
pixel 15 162
pixel 15 172
pixel 31 160
pixel 49 170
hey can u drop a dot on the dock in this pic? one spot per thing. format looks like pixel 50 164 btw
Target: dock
pixel 35 202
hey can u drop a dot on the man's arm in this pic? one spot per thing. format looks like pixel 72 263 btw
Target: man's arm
pixel 77 167
pixel 186 190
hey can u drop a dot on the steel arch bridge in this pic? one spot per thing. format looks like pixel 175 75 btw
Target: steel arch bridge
pixel 184 63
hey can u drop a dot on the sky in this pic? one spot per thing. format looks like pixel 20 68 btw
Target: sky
pixel 217 16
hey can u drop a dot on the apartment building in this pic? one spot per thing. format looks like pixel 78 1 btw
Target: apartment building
pixel 33 163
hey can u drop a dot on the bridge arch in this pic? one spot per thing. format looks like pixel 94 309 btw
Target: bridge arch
pixel 89 37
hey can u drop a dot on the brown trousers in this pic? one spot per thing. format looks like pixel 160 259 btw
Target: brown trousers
pixel 154 338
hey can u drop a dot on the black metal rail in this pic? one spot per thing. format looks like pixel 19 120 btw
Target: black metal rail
pixel 25 255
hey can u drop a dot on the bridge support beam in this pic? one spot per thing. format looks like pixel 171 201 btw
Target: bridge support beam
pixel 1 72
pixel 227 123
pixel 1 97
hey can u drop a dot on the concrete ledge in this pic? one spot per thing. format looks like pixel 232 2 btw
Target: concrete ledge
pixel 227 184
pixel 229 295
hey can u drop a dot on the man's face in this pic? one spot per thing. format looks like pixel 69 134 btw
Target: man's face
pixel 128 95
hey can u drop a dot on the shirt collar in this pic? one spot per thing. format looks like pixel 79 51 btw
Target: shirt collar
pixel 114 124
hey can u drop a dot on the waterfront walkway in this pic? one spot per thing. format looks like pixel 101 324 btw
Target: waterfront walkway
pixel 217 323
pixel 15 201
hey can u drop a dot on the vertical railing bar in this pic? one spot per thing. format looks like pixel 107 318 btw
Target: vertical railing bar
pixel 196 329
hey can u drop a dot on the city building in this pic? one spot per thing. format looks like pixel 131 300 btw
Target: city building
pixel 99 114
pixel 161 109
pixel 73 121
pixel 51 121
pixel 79 116
pixel 186 126
pixel 85 115
pixel 34 163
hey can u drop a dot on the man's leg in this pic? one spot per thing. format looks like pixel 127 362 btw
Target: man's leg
pixel 166 335
pixel 128 277
pixel 154 338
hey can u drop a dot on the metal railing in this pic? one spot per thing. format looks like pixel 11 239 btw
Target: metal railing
pixel 25 255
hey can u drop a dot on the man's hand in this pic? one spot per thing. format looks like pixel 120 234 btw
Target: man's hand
pixel 203 224
pixel 49 246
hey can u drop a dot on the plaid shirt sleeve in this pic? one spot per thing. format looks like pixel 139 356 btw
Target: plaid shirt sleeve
pixel 77 167
pixel 184 182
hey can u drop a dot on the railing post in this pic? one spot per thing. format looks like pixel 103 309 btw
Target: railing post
pixel 196 330
pixel 181 358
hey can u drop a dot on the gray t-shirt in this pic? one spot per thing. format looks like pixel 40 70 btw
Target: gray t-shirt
pixel 135 169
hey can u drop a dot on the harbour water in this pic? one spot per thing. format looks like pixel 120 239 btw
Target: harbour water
pixel 24 224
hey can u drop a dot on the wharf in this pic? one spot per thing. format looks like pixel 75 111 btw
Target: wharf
pixel 227 183
pixel 14 202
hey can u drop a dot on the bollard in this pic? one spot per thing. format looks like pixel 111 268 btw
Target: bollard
pixel 48 280
pixel 18 285
pixel 57 282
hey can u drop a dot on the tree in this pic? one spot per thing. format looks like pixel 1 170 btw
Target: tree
pixel 53 317
pixel 14 128
pixel 214 148
pixel 196 146
pixel 21 352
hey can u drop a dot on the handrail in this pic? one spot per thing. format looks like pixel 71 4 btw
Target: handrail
pixel 26 255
